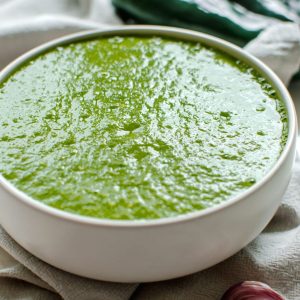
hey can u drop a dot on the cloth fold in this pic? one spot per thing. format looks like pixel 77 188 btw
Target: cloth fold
pixel 279 48
pixel 273 257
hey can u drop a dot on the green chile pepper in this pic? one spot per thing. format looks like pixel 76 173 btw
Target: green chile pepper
pixel 226 18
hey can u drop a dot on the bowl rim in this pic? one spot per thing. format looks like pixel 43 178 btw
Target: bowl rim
pixel 183 34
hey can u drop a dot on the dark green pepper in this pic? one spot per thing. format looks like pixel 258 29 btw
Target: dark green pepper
pixel 223 18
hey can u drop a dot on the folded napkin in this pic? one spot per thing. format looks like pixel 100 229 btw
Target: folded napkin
pixel 273 257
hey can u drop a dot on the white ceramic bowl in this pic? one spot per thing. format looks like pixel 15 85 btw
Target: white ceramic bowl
pixel 139 251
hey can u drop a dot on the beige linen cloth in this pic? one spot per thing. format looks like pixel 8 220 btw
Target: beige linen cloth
pixel 273 257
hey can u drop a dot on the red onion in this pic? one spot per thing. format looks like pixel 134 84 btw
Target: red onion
pixel 251 290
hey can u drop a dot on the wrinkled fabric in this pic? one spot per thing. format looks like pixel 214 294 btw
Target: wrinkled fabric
pixel 279 47
pixel 273 257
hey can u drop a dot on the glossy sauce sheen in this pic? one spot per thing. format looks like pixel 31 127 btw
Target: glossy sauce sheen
pixel 137 127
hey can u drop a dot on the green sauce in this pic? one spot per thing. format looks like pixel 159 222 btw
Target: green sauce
pixel 137 127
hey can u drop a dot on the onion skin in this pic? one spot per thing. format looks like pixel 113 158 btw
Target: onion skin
pixel 251 290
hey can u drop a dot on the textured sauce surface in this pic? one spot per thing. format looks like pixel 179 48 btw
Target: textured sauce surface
pixel 137 127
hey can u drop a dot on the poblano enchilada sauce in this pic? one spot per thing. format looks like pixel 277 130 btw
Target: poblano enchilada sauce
pixel 137 127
